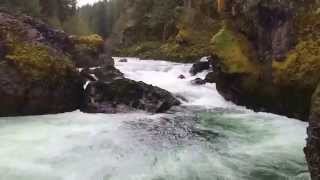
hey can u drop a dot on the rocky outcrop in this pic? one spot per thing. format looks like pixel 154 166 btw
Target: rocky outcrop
pixel 35 69
pixel 269 60
pixel 312 150
pixel 268 56
pixel 44 70
pixel 123 95
pixel 199 67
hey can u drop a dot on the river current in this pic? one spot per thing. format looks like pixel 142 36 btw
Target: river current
pixel 207 138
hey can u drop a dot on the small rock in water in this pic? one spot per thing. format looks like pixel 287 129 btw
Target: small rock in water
pixel 181 76
pixel 199 67
pixel 198 81
pixel 123 60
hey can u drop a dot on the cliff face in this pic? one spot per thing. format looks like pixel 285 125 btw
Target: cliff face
pixel 312 150
pixel 268 53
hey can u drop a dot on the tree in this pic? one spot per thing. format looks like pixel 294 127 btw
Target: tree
pixel 24 6
pixel 162 16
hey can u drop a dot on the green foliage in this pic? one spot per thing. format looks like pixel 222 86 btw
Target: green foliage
pixel 302 65
pixel 37 62
pixel 58 13
pixel 93 41
pixel 76 25
pixel 31 7
pixel 101 16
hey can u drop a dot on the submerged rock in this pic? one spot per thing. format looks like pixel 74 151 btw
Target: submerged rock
pixel 123 60
pixel 181 76
pixel 198 81
pixel 123 95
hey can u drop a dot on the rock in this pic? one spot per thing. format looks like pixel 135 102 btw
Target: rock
pixel 199 67
pixel 37 72
pixel 267 83
pixel 269 23
pixel 211 77
pixel 105 74
pixel 21 96
pixel 181 76
pixel 123 95
pixel 312 149
pixel 123 60
pixel 87 75
pixel 198 81
pixel 90 51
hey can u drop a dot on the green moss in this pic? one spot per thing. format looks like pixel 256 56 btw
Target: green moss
pixel 36 62
pixel 301 67
pixel 92 41
pixel 234 51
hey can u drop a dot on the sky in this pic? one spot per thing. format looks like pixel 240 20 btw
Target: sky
pixel 84 2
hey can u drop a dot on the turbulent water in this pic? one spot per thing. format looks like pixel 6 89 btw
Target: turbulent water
pixel 205 139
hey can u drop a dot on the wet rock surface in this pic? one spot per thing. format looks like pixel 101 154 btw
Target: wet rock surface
pixel 44 70
pixel 123 95
pixel 198 82
pixel 312 149
pixel 200 67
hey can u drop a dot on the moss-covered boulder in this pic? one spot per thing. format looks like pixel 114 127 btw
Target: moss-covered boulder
pixel 90 51
pixel 37 75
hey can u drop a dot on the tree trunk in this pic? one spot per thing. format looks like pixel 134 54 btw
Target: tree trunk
pixel 221 5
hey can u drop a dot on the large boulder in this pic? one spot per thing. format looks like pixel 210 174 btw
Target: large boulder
pixel 90 51
pixel 37 75
pixel 123 95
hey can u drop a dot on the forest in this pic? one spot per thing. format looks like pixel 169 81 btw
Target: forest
pixel 64 14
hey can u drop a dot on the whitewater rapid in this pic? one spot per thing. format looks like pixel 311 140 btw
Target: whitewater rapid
pixel 207 138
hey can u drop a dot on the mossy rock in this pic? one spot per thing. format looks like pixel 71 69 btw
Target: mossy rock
pixel 235 52
pixel 92 41
pixel 301 67
pixel 38 62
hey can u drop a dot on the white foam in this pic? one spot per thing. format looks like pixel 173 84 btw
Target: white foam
pixel 141 146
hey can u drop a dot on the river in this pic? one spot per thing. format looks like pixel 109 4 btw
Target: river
pixel 207 138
